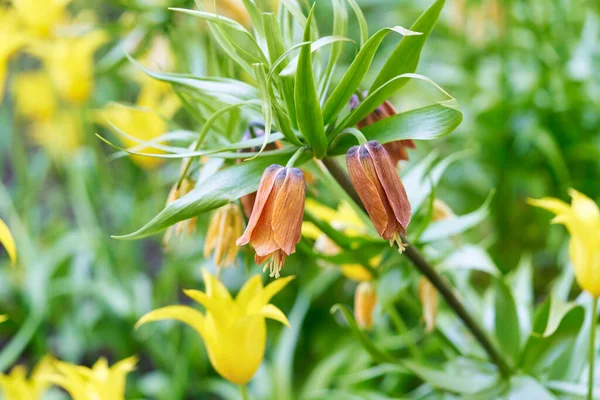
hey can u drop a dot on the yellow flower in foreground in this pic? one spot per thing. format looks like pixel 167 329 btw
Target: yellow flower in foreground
pixel 146 122
pixel 100 382
pixel 7 240
pixel 59 136
pixel 41 16
pixel 11 40
pixel 70 62
pixel 34 96
pixel 16 385
pixel 234 330
pixel 582 220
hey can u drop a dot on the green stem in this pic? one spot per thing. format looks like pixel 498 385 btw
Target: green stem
pixel 296 156
pixel 360 137
pixel 402 329
pixel 591 354
pixel 244 392
pixel 441 284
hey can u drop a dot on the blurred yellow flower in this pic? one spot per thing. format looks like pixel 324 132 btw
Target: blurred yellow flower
pixel 365 300
pixel 7 240
pixel 41 16
pixel 3 318
pixel 16 386
pixel 11 40
pixel 582 220
pixel 59 136
pixel 234 331
pixel 155 102
pixel 100 382
pixel 226 225
pixel 70 63
pixel 345 220
pixel 34 96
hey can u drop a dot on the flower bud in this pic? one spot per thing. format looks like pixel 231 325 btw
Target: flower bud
pixel 187 185
pixel 226 225
pixel 397 149
pixel 380 189
pixel 441 211
pixel 365 300
pixel 429 301
pixel 275 225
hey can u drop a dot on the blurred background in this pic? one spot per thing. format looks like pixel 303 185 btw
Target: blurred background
pixel 525 74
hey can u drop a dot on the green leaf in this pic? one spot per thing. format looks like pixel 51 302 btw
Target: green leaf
pixel 362 22
pixel 526 387
pixel 308 109
pixel 405 57
pixel 521 284
pixel 225 186
pixel 274 38
pixel 375 352
pixel 452 226
pixel 291 68
pixel 571 389
pixel 506 324
pixel 227 91
pixel 356 72
pixel 470 257
pixel 340 28
pixel 425 123
pixel 265 99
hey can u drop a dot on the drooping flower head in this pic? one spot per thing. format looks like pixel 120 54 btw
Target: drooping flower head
pixel 380 189
pixel 17 386
pixel 365 300
pixel 100 382
pixel 234 330
pixel 397 150
pixel 275 225
pixel 189 226
pixel 428 296
pixel 226 225
pixel 582 220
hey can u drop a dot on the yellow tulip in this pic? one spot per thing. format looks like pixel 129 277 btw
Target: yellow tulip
pixel 60 136
pixel 234 330
pixel 582 220
pixel 7 240
pixel 34 96
pixel 155 102
pixel 100 382
pixel 16 385
pixel 41 16
pixel 70 62
pixel 11 40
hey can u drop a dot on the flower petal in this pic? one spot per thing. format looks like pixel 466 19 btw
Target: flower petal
pixel 553 205
pixel 215 289
pixel 187 315
pixel 584 207
pixel 275 287
pixel 288 211
pixel 7 240
pixel 251 289
pixel 272 312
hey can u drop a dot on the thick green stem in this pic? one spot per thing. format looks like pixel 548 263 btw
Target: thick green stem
pixel 244 392
pixel 441 284
pixel 591 354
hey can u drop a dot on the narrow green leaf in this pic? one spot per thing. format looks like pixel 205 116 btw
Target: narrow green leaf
pixel 340 28
pixel 357 71
pixel 290 69
pixel 506 326
pixel 308 108
pixel 274 39
pixel 405 57
pixel 470 257
pixel 225 186
pixel 362 22
pixel 267 110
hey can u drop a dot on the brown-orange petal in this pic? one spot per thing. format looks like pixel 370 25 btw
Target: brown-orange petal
pixel 388 176
pixel 366 188
pixel 289 211
pixel 263 236
pixel 264 190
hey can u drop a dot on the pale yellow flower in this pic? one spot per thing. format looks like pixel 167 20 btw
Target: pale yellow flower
pixel 100 382
pixel 365 300
pixel 16 385
pixel 59 136
pixel 226 225
pixel 3 318
pixel 428 296
pixel 11 40
pixel 34 96
pixel 234 330
pixel 441 211
pixel 70 62
pixel 189 225
pixel 155 102
pixel 41 16
pixel 7 240
pixel 582 220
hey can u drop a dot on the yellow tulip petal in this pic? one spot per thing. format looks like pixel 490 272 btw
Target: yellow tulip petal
pixel 275 287
pixel 584 207
pixel 209 303
pixel 310 231
pixel 126 365
pixel 272 312
pixel 356 272
pixel 249 291
pixel 214 288
pixel 7 240
pixel 187 315
pixel 551 204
